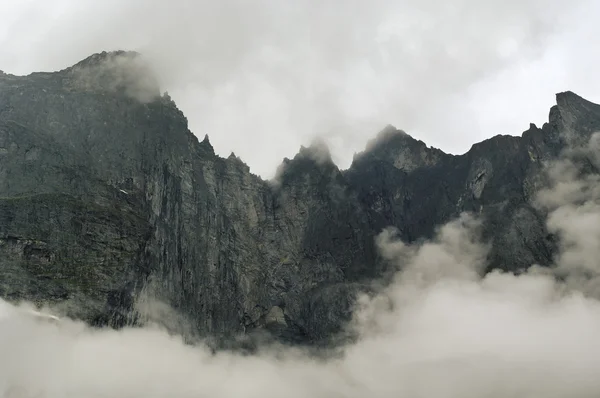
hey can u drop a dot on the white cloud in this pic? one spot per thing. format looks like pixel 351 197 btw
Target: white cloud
pixel 263 77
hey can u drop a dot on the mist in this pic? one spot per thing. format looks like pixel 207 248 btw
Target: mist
pixel 442 328
pixel 262 78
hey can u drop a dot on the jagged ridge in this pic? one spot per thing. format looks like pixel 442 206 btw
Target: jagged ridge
pixel 108 200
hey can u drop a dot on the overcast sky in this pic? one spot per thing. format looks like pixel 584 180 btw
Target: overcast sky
pixel 263 77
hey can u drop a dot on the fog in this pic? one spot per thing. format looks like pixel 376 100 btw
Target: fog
pixel 440 329
pixel 264 77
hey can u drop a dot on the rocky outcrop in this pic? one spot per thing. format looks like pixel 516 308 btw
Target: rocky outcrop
pixel 107 198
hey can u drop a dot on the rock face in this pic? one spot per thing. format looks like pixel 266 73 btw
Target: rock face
pixel 107 198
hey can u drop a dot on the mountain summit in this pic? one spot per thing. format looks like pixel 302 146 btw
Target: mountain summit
pixel 107 200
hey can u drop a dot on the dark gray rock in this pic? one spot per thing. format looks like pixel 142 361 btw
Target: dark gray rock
pixel 106 197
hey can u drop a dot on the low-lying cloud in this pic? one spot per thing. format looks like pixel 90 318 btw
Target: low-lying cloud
pixel 573 203
pixel 441 329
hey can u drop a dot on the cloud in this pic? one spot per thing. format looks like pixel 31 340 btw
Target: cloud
pixel 572 201
pixel 456 337
pixel 125 72
pixel 442 330
pixel 455 243
pixel 271 75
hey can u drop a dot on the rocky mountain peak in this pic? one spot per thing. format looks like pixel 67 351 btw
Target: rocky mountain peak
pixel 577 117
pixel 104 57
pixel 318 151
pixel 398 148
pixel 313 163
pixel 125 72
pixel 205 148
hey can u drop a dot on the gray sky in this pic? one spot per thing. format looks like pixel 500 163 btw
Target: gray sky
pixel 263 77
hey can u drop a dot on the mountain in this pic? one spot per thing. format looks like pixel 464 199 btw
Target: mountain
pixel 108 200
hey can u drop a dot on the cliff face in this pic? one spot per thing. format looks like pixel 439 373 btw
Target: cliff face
pixel 106 198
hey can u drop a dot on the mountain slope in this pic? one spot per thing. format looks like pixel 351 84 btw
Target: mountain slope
pixel 107 198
